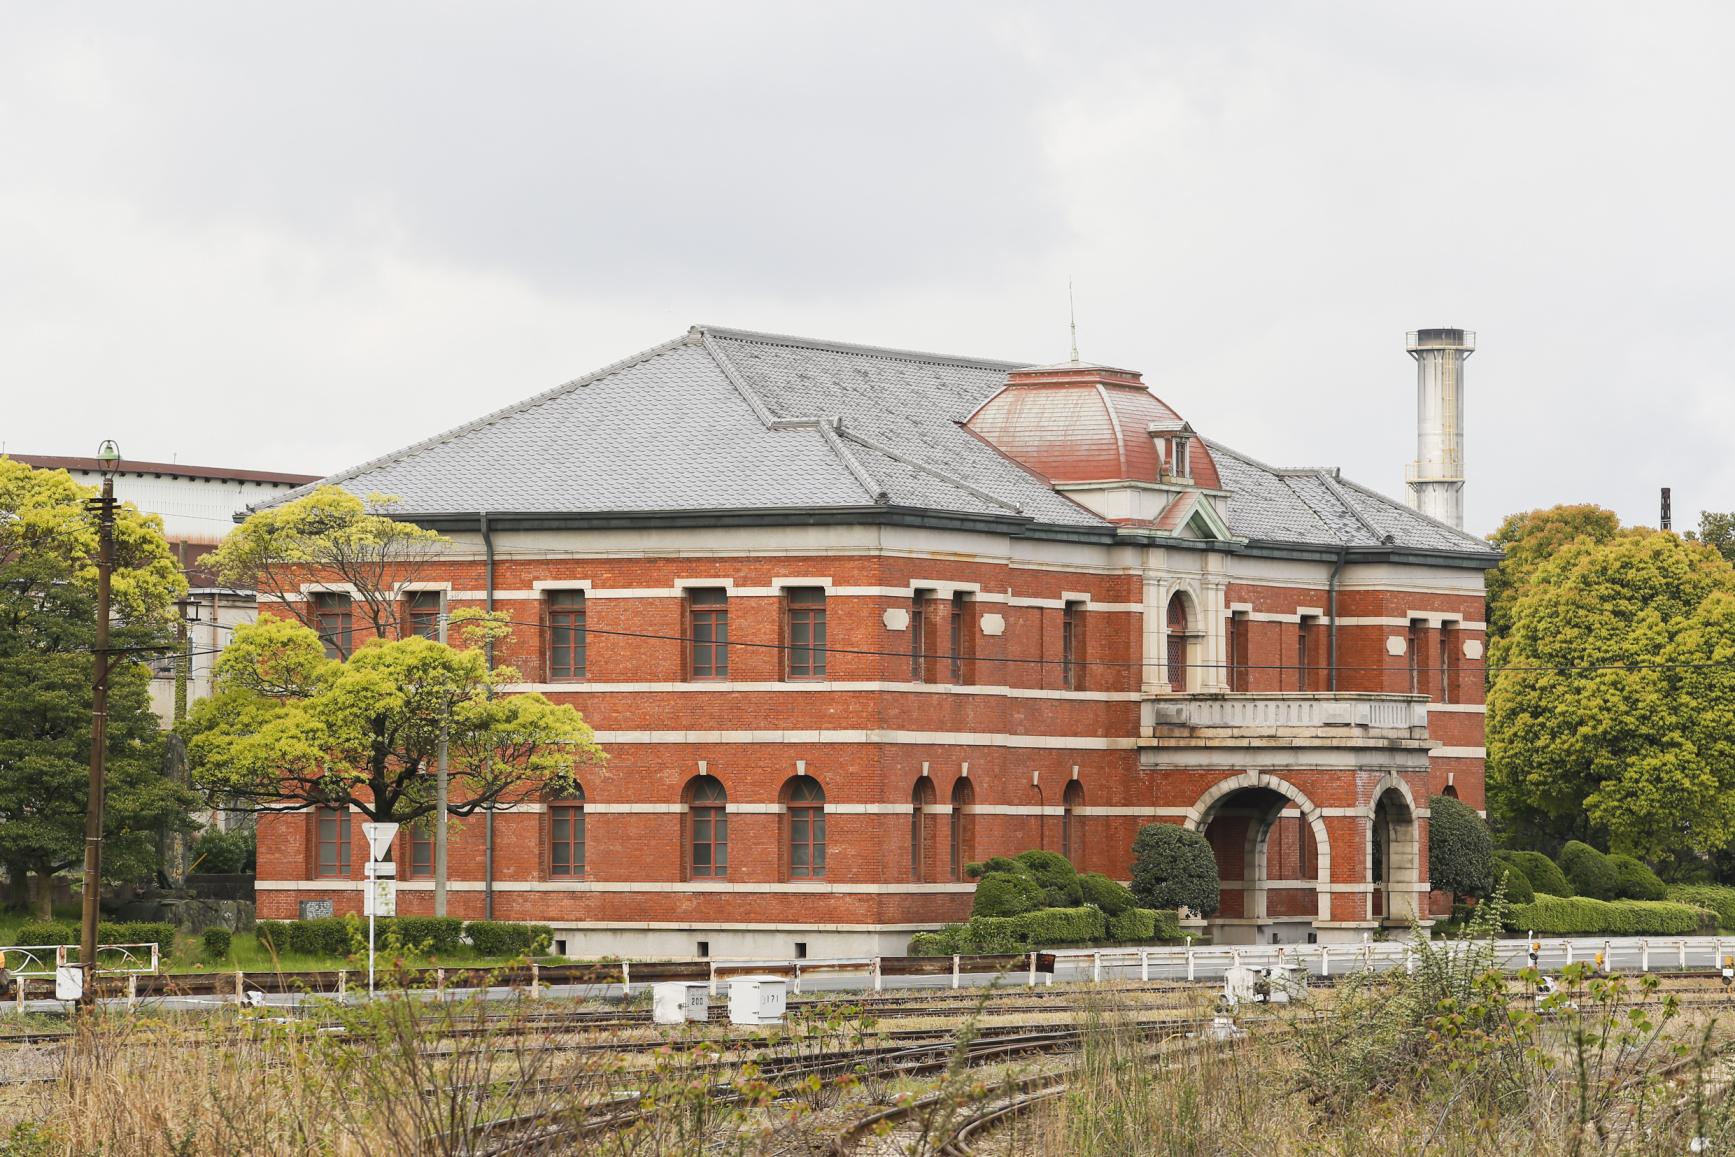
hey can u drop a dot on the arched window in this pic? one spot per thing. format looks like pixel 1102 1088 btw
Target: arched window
pixel 708 828
pixel 1177 643
pixel 963 826
pixel 566 835
pixel 805 801
pixel 921 798
pixel 1071 831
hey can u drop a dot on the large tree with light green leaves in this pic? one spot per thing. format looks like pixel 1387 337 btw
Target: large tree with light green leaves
pixel 48 550
pixel 1611 712
pixel 329 536
pixel 288 728
pixel 1528 540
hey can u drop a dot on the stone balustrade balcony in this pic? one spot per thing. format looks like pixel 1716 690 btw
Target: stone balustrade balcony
pixel 1298 717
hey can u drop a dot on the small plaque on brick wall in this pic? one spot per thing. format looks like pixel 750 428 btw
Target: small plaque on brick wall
pixel 993 624
pixel 314 909
pixel 1472 648
pixel 896 619
pixel 1396 644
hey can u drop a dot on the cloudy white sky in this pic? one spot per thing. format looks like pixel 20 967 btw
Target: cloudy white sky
pixel 295 236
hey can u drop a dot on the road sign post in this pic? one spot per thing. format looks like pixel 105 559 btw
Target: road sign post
pixel 381 884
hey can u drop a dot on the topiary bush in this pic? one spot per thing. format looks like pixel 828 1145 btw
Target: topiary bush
pixel 1133 926
pixel 1516 883
pixel 1057 877
pixel 1168 925
pixel 506 938
pixel 930 944
pixel 320 936
pixel 1047 926
pixel 216 943
pixel 1174 867
pixel 1113 898
pixel 1583 916
pixel 995 864
pixel 1719 898
pixel 1460 849
pixel 434 934
pixel 1590 871
pixel 1006 894
pixel 1543 873
pixel 272 935
pixel 33 933
pixel 1636 881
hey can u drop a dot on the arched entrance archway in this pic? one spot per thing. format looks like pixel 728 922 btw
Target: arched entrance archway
pixel 1239 817
pixel 1394 855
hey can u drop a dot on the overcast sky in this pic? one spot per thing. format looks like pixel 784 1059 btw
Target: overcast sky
pixel 296 236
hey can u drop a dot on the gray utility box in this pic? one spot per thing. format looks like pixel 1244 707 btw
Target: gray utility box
pixel 757 999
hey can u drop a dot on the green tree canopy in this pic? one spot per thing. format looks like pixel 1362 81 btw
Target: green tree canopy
pixel 1612 707
pixel 1530 539
pixel 329 536
pixel 288 728
pixel 48 548
pixel 1716 530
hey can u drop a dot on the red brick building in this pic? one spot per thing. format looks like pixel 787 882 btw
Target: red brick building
pixel 848 618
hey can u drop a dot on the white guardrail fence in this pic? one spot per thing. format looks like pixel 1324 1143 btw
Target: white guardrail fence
pixel 24 963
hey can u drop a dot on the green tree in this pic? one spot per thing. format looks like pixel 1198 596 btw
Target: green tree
pixel 1716 530
pixel 333 537
pixel 1460 850
pixel 1529 539
pixel 288 728
pixel 1612 708
pixel 48 546
pixel 1174 867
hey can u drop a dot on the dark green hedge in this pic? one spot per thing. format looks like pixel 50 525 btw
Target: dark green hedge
pixel 1056 876
pixel 1543 873
pixel 216 943
pixel 1006 894
pixel 1174 867
pixel 1636 881
pixel 1045 928
pixel 1112 897
pixel 34 932
pixel 504 938
pixel 1719 898
pixel 1460 850
pixel 331 935
pixel 1583 916
pixel 1590 871
pixel 1518 889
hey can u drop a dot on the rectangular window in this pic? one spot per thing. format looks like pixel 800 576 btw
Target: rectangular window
pixel 422 613
pixel 566 839
pixel 806 632
pixel 1417 627
pixel 1071 623
pixel 331 619
pixel 959 640
pixel 1239 627
pixel 1448 649
pixel 421 850
pixel 708 627
pixel 918 636
pixel 331 842
pixel 1303 657
pixel 566 636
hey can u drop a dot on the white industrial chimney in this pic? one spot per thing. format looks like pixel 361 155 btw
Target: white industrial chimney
pixel 1436 477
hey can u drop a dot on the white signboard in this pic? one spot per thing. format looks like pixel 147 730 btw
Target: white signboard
pixel 381 897
pixel 68 982
pixel 379 838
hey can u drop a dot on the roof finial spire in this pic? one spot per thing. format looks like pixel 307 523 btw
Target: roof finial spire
pixel 1072 314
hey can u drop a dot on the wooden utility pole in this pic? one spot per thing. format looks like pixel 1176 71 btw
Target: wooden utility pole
pixel 108 459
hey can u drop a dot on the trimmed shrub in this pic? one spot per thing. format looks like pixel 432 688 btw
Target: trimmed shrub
pixel 1175 868
pixel 1168 925
pixel 995 864
pixel 273 935
pixel 1006 894
pixel 32 933
pixel 1134 925
pixel 216 942
pixel 1111 897
pixel 435 934
pixel 1057 877
pixel 229 853
pixel 1059 926
pixel 1636 881
pixel 1518 889
pixel 1583 916
pixel 994 935
pixel 1460 850
pixel 929 944
pixel 1719 898
pixel 1590 871
pixel 321 936
pixel 506 938
pixel 1543 873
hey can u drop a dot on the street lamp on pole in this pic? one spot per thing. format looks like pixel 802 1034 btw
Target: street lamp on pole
pixel 108 462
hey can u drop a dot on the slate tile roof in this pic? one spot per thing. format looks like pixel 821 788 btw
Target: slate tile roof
pixel 723 419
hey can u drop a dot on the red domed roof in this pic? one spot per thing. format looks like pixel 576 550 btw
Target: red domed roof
pixel 1084 423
